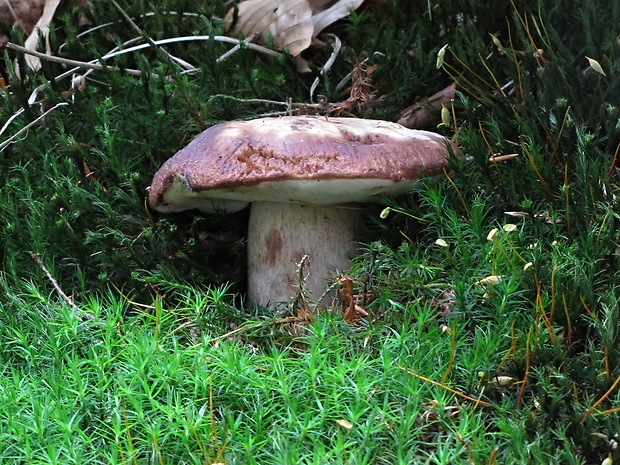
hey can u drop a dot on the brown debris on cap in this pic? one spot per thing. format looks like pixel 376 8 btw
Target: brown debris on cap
pixel 310 159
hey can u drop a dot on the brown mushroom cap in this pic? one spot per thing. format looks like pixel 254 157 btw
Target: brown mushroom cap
pixel 306 159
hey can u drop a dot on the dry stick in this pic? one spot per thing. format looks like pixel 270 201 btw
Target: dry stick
pixel 146 37
pixel 94 65
pixel 447 388
pixel 225 39
pixel 8 121
pixel 31 100
pixel 8 141
pixel 66 298
pixel 99 67
pixel 111 23
pixel 328 64
pixel 66 61
pixel 236 48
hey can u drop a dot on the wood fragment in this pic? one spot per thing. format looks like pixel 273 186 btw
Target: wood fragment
pixel 426 113
pixel 80 313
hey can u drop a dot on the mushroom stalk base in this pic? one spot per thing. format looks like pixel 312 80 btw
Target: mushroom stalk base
pixel 280 235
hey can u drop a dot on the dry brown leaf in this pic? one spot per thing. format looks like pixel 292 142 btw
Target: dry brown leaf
pixel 319 5
pixel 24 13
pixel 332 14
pixel 288 23
pixel 291 24
pixel 351 311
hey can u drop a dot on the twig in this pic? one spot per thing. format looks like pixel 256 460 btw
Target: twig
pixel 328 64
pixel 257 325
pixel 447 388
pixel 111 23
pixel 65 297
pixel 8 141
pixel 146 37
pixel 97 66
pixel 66 61
pixel 35 93
pixel 225 39
pixel 235 49
pixel 8 121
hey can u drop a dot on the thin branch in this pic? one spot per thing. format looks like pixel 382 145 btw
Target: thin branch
pixel 65 297
pixel 225 39
pixel 328 64
pixel 66 61
pixel 8 141
pixel 447 388
pixel 99 67
pixel 8 121
pixel 146 37
pixel 111 23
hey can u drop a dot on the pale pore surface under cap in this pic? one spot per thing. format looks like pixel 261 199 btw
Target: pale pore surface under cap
pixel 179 197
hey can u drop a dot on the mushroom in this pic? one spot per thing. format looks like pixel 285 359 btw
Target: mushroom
pixel 304 176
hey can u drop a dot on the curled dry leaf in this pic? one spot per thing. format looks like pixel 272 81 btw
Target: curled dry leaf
pixel 41 28
pixel 288 23
pixel 339 10
pixel 352 312
pixel 291 24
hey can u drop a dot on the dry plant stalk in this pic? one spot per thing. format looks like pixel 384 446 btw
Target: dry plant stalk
pixel 362 96
pixel 352 312
pixel 78 311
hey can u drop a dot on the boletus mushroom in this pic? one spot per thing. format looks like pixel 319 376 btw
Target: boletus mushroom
pixel 305 177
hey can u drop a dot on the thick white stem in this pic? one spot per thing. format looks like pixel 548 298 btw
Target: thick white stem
pixel 281 234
